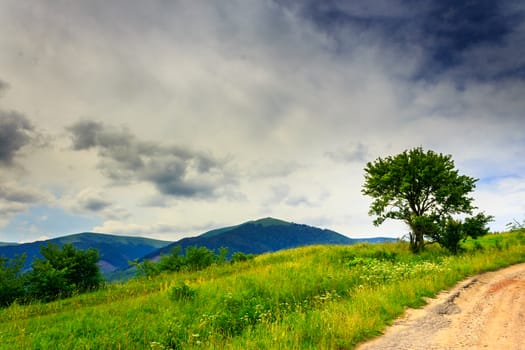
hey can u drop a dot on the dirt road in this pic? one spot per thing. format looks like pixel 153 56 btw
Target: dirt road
pixel 484 312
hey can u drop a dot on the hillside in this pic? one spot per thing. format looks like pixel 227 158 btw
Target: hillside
pixel 115 251
pixel 315 297
pixel 252 237
pixel 262 236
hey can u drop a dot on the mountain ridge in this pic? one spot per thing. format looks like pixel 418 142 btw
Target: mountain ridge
pixel 261 236
pixel 115 251
pixel 251 237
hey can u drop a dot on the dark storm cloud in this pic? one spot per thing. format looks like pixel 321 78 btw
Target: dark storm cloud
pixel 447 34
pixel 19 195
pixel 95 204
pixel 84 134
pixel 174 171
pixel 456 30
pixel 16 131
pixel 16 198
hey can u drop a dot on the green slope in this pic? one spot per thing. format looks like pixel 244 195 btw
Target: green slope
pixel 317 297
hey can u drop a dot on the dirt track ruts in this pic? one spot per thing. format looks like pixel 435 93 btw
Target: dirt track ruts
pixel 486 311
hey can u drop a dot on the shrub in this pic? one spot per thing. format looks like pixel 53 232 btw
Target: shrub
pixel 240 256
pixel 198 258
pixel 171 262
pixel 11 279
pixel 63 271
pixel 182 292
pixel 47 283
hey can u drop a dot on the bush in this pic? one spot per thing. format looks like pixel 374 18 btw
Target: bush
pixel 146 268
pixel 182 292
pixel 452 236
pixel 456 232
pixel 198 258
pixel 195 259
pixel 63 271
pixel 240 256
pixel 11 279
pixel 173 261
pixel 46 283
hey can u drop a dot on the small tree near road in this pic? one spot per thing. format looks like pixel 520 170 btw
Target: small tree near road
pixel 423 189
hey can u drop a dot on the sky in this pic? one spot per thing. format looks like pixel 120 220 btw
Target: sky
pixel 166 119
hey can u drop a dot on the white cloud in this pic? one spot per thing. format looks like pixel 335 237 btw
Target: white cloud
pixel 159 231
pixel 229 111
pixel 505 196
pixel 39 238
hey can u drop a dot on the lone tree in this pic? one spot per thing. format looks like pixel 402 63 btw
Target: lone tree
pixel 424 190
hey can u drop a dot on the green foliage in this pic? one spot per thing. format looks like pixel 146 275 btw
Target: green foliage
pixel 60 273
pixel 455 231
pixel 47 283
pixel 171 262
pixel 376 272
pixel 317 297
pixel 240 256
pixel 194 259
pixel 198 258
pixel 476 226
pixel 222 256
pixel 79 267
pixel 421 188
pixel 12 283
pixel 146 268
pixel 116 250
pixel 182 292
pixel 452 236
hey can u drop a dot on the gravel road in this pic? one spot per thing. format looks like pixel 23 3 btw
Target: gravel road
pixel 484 312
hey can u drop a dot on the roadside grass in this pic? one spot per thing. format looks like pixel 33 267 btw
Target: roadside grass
pixel 322 297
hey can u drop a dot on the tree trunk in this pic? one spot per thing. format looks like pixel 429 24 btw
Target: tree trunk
pixel 417 240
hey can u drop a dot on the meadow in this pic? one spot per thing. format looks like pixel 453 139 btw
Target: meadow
pixel 315 297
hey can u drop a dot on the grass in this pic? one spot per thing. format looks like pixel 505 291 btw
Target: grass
pixel 318 297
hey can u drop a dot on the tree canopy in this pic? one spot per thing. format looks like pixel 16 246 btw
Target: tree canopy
pixel 59 273
pixel 11 281
pixel 63 271
pixel 423 189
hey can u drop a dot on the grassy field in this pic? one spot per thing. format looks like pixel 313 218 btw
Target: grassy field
pixel 318 297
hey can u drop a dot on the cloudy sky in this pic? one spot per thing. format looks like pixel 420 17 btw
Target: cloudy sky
pixel 169 118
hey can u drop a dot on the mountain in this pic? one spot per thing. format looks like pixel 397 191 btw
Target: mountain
pixel 115 251
pixel 261 236
pixel 3 244
pixel 252 237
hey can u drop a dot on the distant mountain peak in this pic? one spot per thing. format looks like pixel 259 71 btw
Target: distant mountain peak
pixel 265 222
pixel 269 221
pixel 259 236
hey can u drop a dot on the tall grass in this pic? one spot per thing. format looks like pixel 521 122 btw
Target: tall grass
pixel 323 297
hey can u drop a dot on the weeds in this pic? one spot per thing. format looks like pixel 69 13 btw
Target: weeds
pixel 322 297
pixel 182 292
